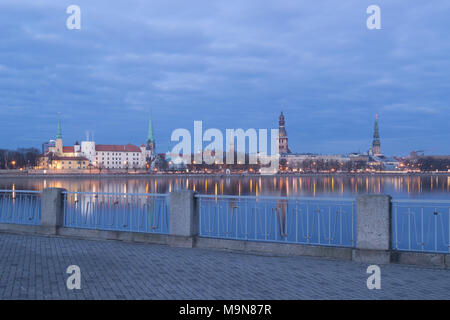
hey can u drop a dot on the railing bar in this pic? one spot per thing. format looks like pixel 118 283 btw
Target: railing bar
pixel 20 191
pixel 117 194
pixel 422 231
pixel 415 201
pixel 310 199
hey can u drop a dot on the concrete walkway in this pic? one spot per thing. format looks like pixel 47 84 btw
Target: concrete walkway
pixel 34 267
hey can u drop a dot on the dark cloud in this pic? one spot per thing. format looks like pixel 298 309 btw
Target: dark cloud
pixel 231 64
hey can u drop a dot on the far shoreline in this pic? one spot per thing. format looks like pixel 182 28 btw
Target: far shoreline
pixel 79 175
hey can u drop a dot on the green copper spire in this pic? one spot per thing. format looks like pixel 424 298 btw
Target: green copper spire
pixel 58 134
pixel 150 137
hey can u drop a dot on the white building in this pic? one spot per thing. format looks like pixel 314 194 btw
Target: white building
pixel 115 156
pixel 121 156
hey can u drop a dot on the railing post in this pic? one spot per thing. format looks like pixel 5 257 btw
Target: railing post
pixel 373 229
pixel 183 218
pixel 52 210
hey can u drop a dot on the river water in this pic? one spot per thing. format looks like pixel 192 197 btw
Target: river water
pixel 398 186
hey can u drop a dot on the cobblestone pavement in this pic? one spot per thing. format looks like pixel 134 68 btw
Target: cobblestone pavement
pixel 34 267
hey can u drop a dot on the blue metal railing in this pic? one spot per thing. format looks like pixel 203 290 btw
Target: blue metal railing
pixel 134 212
pixel 20 207
pixel 421 225
pixel 324 221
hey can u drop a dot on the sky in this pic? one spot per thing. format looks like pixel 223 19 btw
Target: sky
pixel 231 64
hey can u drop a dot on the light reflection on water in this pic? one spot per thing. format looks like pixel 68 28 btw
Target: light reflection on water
pixel 407 186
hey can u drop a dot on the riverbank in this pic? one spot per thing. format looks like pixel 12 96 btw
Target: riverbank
pixel 120 174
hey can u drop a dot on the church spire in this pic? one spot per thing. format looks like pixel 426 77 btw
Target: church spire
pixel 376 144
pixel 376 132
pixel 150 137
pixel 58 133
pixel 58 142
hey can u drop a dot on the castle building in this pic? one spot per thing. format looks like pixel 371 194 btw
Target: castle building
pixel 282 136
pixel 91 155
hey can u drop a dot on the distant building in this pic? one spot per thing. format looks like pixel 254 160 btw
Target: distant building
pixel 92 155
pixel 46 145
pixel 386 163
pixel 359 157
pixel 114 156
pixel 297 160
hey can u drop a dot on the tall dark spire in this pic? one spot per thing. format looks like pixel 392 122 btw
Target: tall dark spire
pixel 376 144
pixel 281 125
pixel 376 132
pixel 282 136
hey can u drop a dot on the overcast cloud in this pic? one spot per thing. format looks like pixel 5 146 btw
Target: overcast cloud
pixel 232 64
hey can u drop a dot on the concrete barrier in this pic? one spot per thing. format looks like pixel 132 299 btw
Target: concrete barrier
pixel 183 217
pixel 373 229
pixel 52 211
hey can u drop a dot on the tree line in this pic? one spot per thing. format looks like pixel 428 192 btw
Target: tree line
pixel 20 158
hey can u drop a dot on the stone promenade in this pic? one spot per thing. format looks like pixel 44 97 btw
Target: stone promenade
pixel 34 267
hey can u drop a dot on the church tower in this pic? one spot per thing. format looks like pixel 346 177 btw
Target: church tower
pixel 150 137
pixel 376 145
pixel 59 143
pixel 282 136
pixel 150 147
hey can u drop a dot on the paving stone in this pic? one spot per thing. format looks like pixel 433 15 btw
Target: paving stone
pixel 34 267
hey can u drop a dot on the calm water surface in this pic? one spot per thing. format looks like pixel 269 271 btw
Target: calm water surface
pixel 405 186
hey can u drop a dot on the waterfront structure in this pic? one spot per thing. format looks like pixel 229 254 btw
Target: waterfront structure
pixel 91 155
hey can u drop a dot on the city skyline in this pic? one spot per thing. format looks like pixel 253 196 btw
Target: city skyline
pixel 150 137
pixel 233 65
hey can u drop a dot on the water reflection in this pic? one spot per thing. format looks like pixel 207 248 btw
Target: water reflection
pixel 412 186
